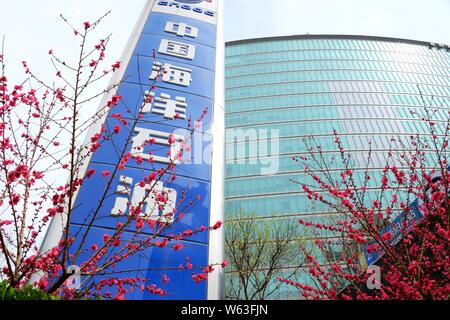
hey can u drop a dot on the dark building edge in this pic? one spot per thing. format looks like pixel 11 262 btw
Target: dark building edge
pixel 335 36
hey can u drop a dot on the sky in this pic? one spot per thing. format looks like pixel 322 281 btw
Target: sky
pixel 32 27
pixel 426 20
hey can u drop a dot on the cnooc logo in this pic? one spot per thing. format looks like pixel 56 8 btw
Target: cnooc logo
pixel 191 1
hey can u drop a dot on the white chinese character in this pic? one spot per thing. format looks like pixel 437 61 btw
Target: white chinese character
pixel 145 136
pixel 120 206
pixel 163 105
pixel 157 202
pixel 177 49
pixel 181 29
pixel 171 74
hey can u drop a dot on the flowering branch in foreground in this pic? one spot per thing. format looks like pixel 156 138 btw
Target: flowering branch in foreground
pixel 412 189
pixel 40 128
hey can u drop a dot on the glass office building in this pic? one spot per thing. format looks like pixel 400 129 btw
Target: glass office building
pixel 308 86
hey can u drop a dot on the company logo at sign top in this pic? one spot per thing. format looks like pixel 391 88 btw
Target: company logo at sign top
pixel 201 10
pixel 210 4
pixel 192 1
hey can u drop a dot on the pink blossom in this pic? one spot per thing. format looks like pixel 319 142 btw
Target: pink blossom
pixel 90 173
pixel 105 173
pixel 217 225
pixel 116 65
pixel 386 236
pixel 178 246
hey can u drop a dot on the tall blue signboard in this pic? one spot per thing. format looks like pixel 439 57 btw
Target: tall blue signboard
pixel 170 77
pixel 401 225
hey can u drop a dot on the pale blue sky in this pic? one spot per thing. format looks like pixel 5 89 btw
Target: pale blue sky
pixel 427 20
pixel 32 27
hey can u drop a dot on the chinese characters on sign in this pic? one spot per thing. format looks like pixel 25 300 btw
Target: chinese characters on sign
pixel 181 29
pixel 169 105
pixel 151 137
pixel 168 108
pixel 171 74
pixel 163 105
pixel 157 203
pixel 177 49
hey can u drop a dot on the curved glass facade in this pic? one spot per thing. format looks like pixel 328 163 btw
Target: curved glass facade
pixel 364 87
pixel 302 86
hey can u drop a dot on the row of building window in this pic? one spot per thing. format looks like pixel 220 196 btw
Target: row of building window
pixel 343 126
pixel 286 183
pixel 282 204
pixel 286 164
pixel 309 87
pixel 300 66
pixel 378 159
pixel 325 113
pixel 335 75
pixel 323 99
pixel 238 145
pixel 287 56
pixel 334 44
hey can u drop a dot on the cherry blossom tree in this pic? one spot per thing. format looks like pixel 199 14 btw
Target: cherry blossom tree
pixel 41 127
pixel 397 219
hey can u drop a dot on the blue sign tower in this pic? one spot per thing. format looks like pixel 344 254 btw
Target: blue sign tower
pixel 177 50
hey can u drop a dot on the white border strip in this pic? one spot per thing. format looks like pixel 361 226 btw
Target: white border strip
pixel 216 286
